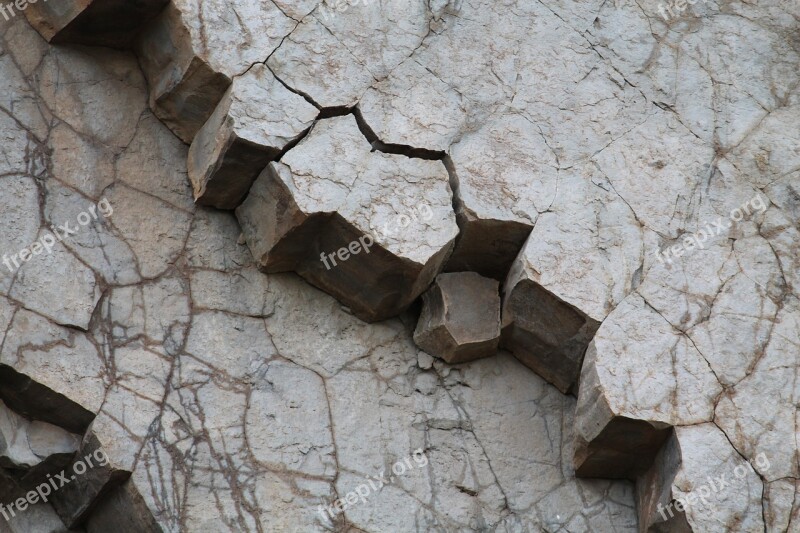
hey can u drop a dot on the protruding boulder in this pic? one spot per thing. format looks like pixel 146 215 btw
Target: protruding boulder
pixel 193 50
pixel 460 318
pixel 369 228
pixel 544 332
pixel 111 23
pixel 504 175
pixel 255 121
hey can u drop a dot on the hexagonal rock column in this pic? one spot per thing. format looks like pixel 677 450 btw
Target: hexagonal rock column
pixel 371 229
pixel 544 332
pixel 255 121
pixel 460 318
pixel 111 23
pixel 503 176
pixel 193 50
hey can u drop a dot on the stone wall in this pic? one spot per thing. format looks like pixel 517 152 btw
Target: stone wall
pixel 399 265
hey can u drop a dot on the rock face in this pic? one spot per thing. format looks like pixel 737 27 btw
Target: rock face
pixel 627 172
pixel 257 119
pixel 193 50
pixel 460 319
pixel 351 221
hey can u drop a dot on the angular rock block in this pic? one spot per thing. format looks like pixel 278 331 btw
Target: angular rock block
pixel 192 51
pixel 112 23
pixel 503 175
pixel 608 445
pixel 371 229
pixel 544 332
pixel 255 121
pixel 123 510
pixel 460 318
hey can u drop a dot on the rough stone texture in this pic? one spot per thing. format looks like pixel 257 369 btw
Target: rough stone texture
pixel 580 137
pixel 460 318
pixel 333 193
pixel 193 50
pixel 94 22
pixel 257 119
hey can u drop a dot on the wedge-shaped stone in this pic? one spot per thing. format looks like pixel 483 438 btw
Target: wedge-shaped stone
pixel 460 318
pixel 255 121
pixel 111 23
pixel 193 50
pixel 371 229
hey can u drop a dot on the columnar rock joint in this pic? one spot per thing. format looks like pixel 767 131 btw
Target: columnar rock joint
pixel 346 219
pixel 460 318
pixel 547 334
pixel 255 121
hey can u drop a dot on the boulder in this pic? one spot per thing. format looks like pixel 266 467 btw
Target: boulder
pixel 460 318
pixel 371 229
pixel 256 120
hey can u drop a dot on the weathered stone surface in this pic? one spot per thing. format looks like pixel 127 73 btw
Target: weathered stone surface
pixel 581 139
pixel 94 22
pixel 460 319
pixel 192 51
pixel 257 119
pixel 323 197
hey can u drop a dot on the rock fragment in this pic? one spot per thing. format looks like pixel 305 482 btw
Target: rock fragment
pixel 371 229
pixel 193 50
pixel 460 318
pixel 111 23
pixel 255 121
pixel 92 475
pixel 546 333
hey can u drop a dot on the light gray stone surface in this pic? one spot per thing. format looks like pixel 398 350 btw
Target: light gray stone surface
pixel 578 138
pixel 370 228
pixel 255 121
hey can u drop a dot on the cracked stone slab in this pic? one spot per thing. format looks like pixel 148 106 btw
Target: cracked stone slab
pixel 315 202
pixel 504 176
pixel 704 485
pixel 414 108
pixel 354 48
pixel 460 319
pixel 257 119
pixel 92 22
pixel 193 50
